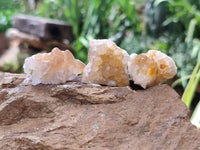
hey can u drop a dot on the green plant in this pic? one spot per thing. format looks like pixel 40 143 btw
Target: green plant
pixel 183 41
pixel 8 9
pixel 48 9
pixel 189 94
pixel 195 116
pixel 191 86
pixel 181 12
pixel 99 19
pixel 6 14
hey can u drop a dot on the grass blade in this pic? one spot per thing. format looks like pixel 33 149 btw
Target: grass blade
pixel 191 30
pixel 191 87
pixel 195 119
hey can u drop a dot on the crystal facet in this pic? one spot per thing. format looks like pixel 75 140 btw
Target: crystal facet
pixel 53 68
pixel 107 64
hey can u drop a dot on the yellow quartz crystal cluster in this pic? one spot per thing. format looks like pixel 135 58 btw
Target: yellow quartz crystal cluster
pixel 53 68
pixel 107 64
pixel 151 68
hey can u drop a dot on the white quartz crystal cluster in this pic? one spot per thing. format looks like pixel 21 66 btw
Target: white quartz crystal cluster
pixel 108 65
pixel 53 68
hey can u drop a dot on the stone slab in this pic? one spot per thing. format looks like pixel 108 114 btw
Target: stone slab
pixel 42 27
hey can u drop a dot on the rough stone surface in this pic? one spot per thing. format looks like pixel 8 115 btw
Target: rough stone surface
pixel 107 64
pixel 42 27
pixel 76 116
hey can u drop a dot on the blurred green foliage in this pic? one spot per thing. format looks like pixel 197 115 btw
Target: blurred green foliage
pixel 7 9
pixel 94 19
pixel 183 44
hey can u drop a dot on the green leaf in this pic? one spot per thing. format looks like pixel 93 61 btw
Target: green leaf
pixel 174 18
pixel 195 119
pixel 183 4
pixel 191 30
pixel 191 87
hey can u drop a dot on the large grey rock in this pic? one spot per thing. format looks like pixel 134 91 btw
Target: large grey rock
pixel 42 27
pixel 76 116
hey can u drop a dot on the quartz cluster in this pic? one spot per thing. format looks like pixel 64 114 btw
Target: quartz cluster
pixel 151 68
pixel 53 68
pixel 107 64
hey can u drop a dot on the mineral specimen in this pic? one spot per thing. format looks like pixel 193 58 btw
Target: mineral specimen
pixel 142 70
pixel 151 68
pixel 166 66
pixel 107 64
pixel 53 68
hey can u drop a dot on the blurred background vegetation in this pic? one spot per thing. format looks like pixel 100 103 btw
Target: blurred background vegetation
pixel 171 26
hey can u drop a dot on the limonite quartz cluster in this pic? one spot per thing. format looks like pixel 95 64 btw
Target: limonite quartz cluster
pixel 108 65
pixel 151 68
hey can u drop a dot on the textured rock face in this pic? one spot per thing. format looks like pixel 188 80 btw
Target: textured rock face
pixel 151 68
pixel 107 64
pixel 75 116
pixel 53 68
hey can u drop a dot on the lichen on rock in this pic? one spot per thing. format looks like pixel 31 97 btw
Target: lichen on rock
pixel 53 68
pixel 107 64
pixel 151 68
